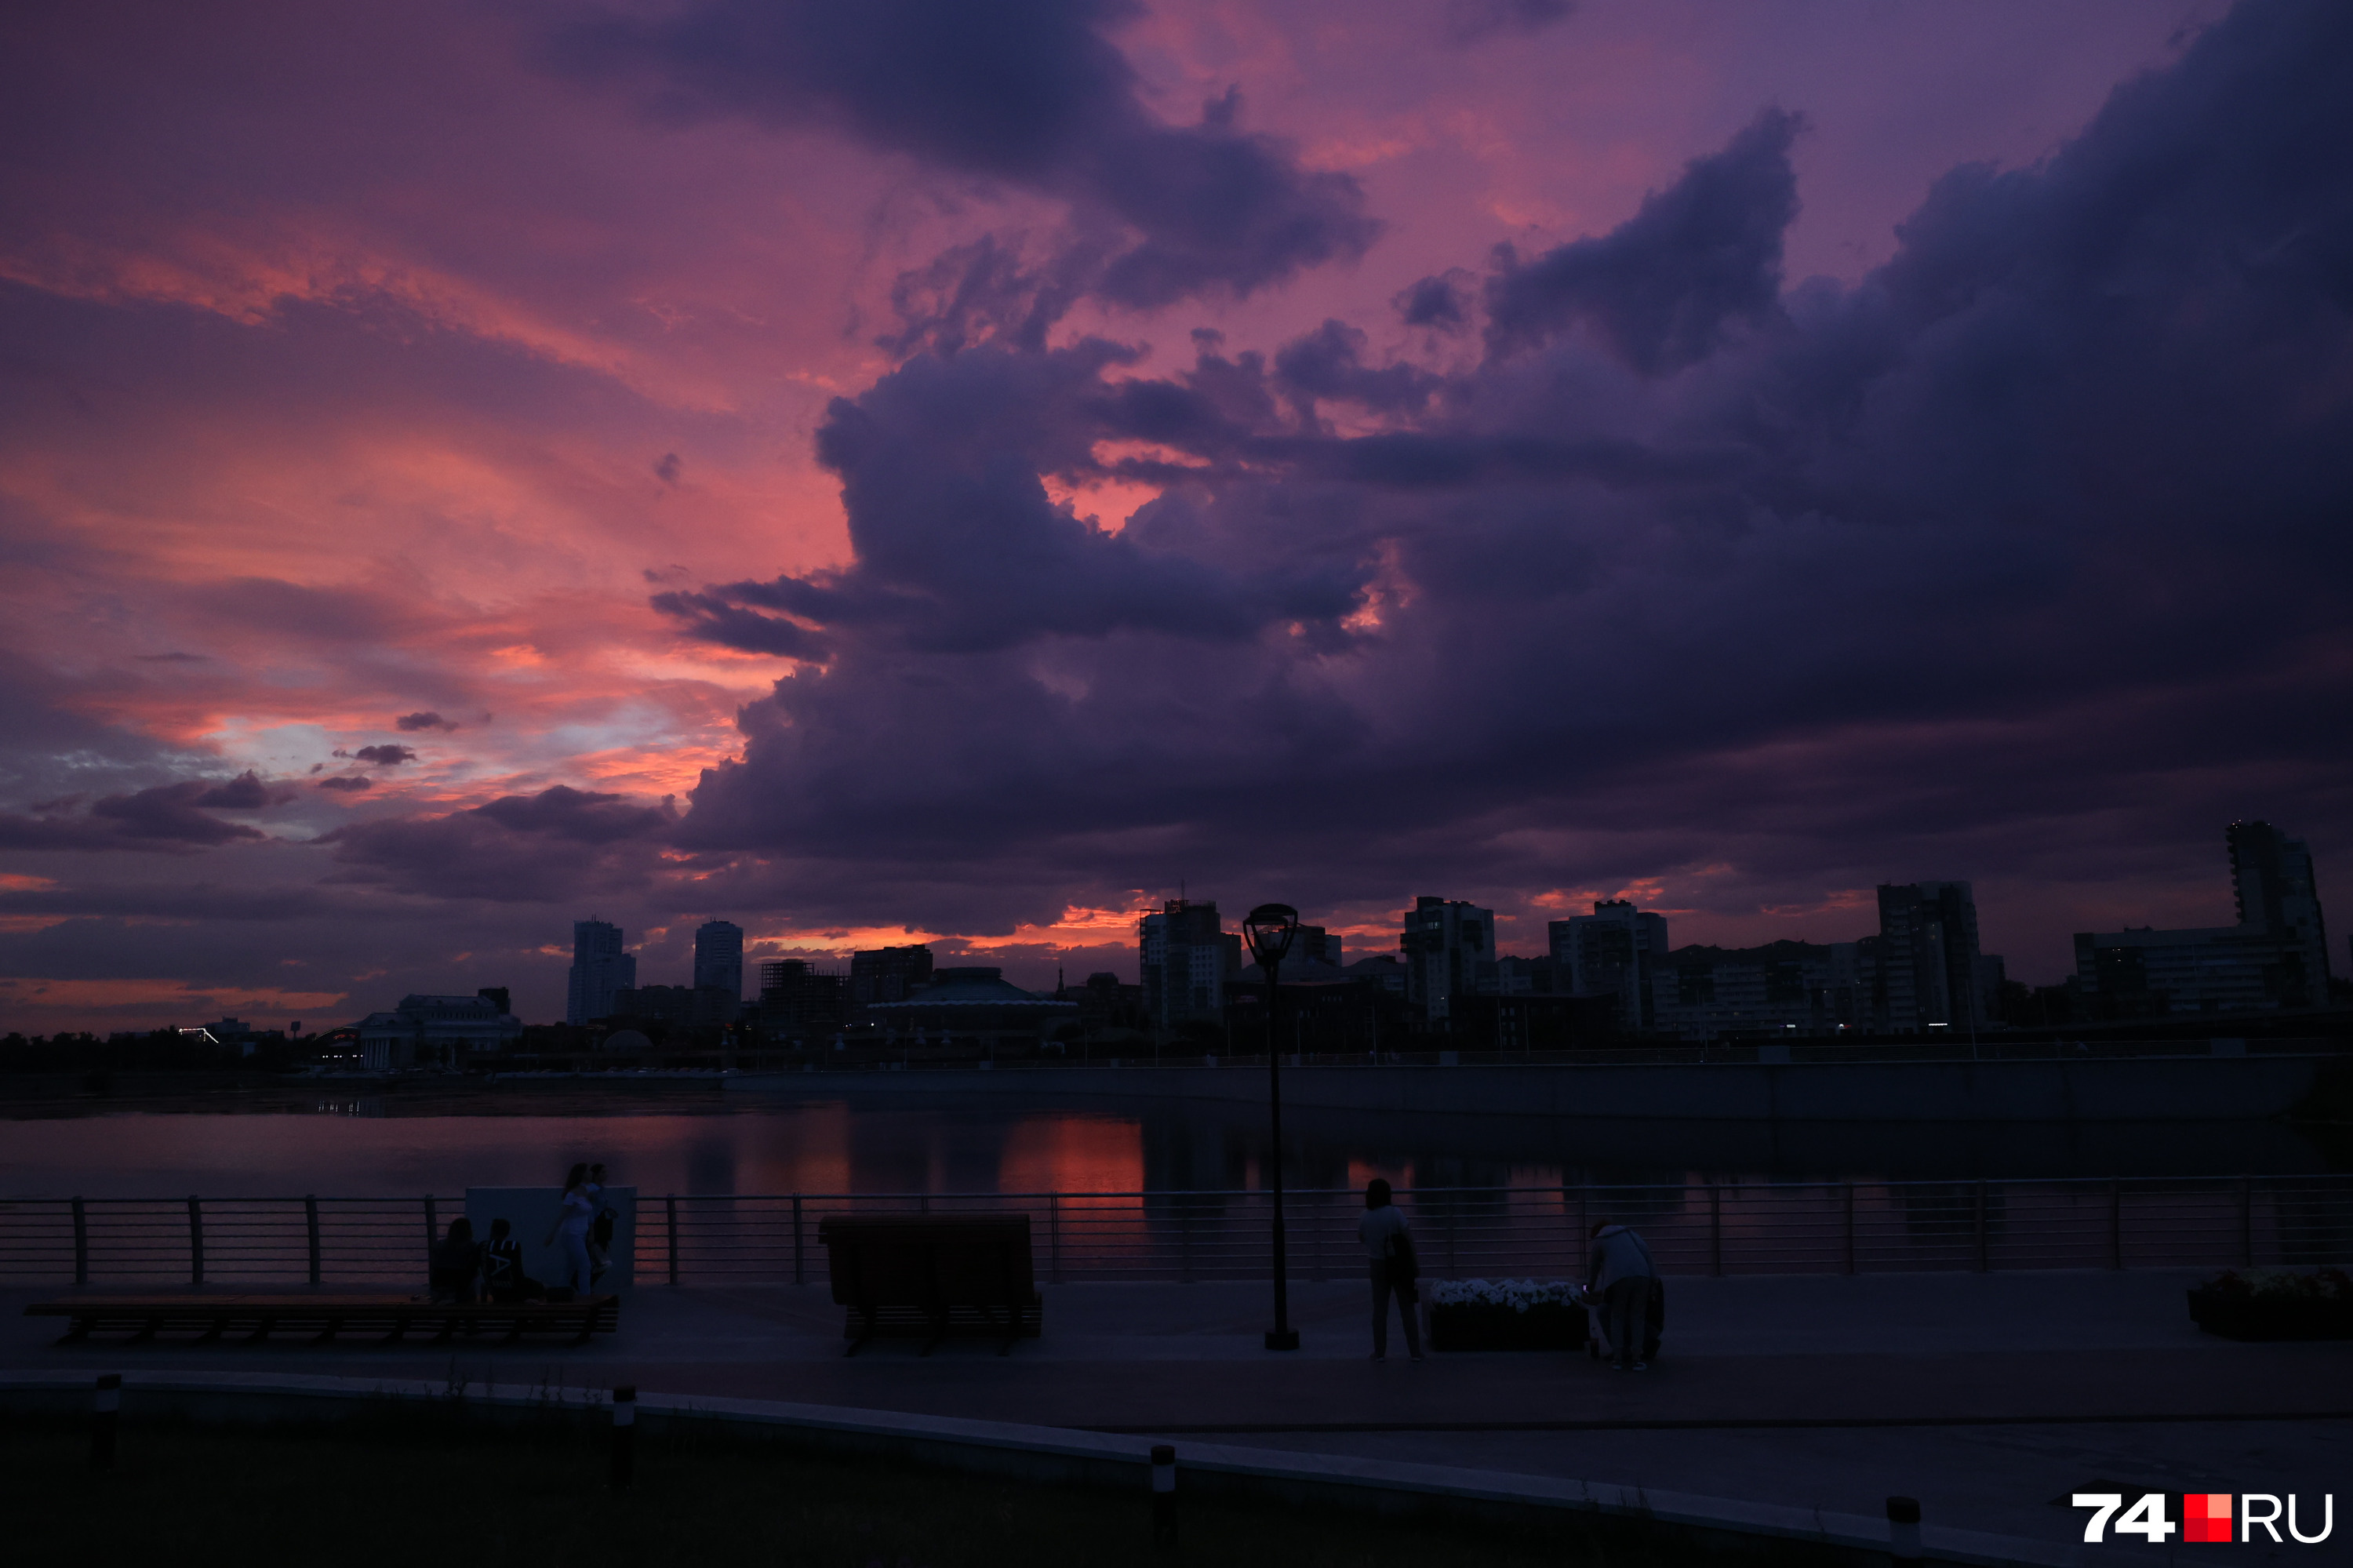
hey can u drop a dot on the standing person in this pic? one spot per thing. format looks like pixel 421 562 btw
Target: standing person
pixel 600 1229
pixel 572 1222
pixel 1621 1272
pixel 1389 1246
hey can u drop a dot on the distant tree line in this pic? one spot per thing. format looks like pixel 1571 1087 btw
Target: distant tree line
pixel 159 1050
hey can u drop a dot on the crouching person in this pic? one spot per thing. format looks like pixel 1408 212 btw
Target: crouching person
pixel 1618 1274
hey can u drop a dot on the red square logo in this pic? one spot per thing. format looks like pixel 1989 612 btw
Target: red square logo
pixel 2206 1515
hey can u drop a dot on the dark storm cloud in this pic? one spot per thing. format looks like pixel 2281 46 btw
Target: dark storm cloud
pixel 411 723
pixel 351 786
pixel 1443 302
pixel 1469 20
pixel 580 816
pixel 710 617
pixel 386 756
pixel 204 902
pixel 959 546
pixel 2035 531
pixel 1661 289
pixel 1328 363
pixel 1028 92
pixel 246 792
pixel 517 849
pixel 169 818
pixel 982 291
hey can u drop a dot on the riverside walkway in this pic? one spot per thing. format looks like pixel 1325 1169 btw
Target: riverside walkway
pixel 1990 1397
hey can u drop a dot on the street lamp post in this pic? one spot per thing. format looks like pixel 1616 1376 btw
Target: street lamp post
pixel 1270 928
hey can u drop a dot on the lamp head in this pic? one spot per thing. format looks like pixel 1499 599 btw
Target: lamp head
pixel 1269 929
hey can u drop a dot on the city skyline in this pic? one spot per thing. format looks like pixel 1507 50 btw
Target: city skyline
pixel 2273 890
pixel 1725 462
pixel 1923 959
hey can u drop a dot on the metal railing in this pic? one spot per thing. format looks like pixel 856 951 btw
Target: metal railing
pixel 1696 1228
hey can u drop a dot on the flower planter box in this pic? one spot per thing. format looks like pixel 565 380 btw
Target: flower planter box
pixel 2275 1305
pixel 1504 1315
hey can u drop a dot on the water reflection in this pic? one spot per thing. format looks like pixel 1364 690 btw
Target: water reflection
pixel 706 1142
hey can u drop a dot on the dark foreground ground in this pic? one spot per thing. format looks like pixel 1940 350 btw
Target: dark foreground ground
pixel 417 1488
pixel 1993 1398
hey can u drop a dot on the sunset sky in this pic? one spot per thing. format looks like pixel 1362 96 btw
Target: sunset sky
pixel 927 470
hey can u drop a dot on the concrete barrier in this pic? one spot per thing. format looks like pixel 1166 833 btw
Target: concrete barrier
pixel 2129 1088
pixel 1059 1455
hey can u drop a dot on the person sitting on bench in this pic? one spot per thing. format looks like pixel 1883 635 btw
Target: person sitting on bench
pixel 503 1280
pixel 456 1268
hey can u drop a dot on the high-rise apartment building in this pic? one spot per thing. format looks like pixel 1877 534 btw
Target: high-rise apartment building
pixel 1614 952
pixel 1443 943
pixel 1785 987
pixel 1930 974
pixel 1309 945
pixel 1184 958
pixel 600 969
pixel 1317 944
pixel 2276 956
pixel 2272 881
pixel 799 1001
pixel 882 975
pixel 719 957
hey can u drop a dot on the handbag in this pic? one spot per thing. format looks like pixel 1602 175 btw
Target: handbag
pixel 1405 1268
pixel 600 1243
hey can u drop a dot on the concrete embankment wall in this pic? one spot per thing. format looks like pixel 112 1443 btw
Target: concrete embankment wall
pixel 2139 1089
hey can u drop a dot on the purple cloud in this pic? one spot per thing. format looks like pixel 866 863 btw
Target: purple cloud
pixel 516 849
pixel 1661 288
pixel 1469 20
pixel 960 549
pixel 1725 577
pixel 167 817
pixel 1028 92
pixel 410 723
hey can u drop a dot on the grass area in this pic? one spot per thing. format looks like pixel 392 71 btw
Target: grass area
pixel 409 1489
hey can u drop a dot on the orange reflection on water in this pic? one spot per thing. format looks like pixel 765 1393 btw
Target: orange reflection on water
pixel 1072 1154
pixel 808 1152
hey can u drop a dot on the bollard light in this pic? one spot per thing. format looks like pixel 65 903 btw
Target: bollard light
pixel 1164 1495
pixel 105 1407
pixel 1903 1532
pixel 625 1437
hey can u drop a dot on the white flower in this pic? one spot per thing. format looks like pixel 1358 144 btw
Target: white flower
pixel 1519 1295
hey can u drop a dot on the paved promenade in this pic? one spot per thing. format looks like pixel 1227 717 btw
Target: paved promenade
pixel 1988 1396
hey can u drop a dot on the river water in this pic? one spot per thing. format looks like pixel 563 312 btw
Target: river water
pixel 694 1138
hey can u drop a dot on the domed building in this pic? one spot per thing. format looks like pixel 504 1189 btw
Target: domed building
pixel 437 1031
pixel 975 1007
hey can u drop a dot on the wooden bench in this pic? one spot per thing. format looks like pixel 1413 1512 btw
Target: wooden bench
pixel 935 1274
pixel 324 1317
